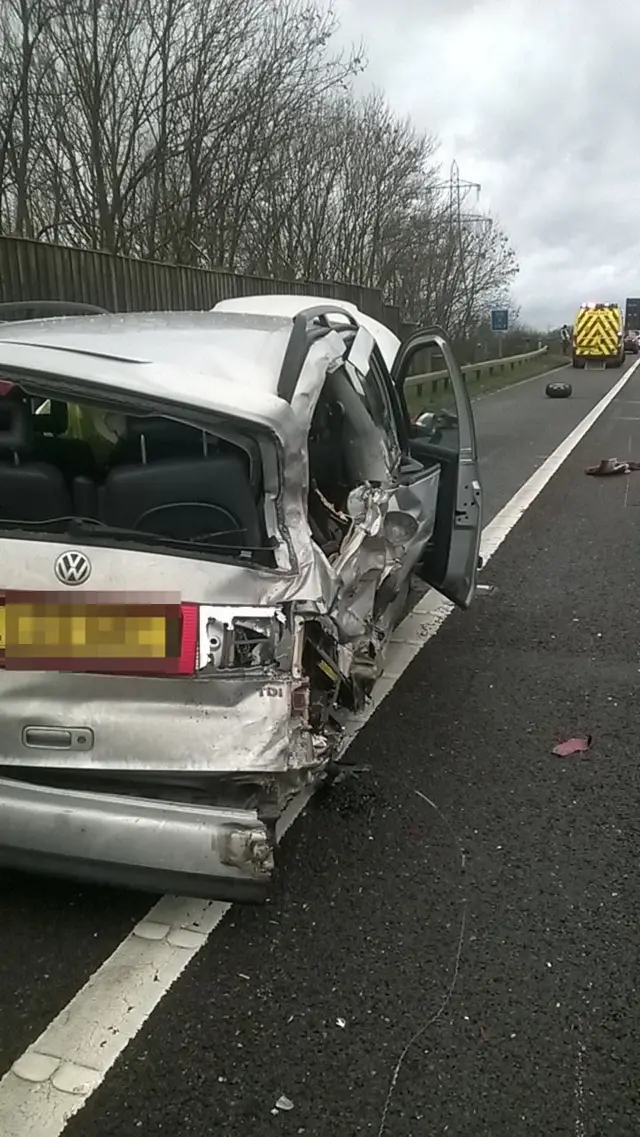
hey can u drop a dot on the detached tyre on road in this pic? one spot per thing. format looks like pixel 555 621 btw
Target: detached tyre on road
pixel 558 390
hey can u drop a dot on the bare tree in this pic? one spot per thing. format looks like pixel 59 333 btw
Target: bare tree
pixel 24 28
pixel 226 133
pixel 101 102
pixel 339 190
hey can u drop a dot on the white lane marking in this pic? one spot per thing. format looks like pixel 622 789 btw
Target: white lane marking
pixel 56 1075
pixel 580 1127
pixel 502 524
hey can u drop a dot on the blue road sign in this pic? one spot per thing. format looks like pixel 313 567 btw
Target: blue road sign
pixel 500 320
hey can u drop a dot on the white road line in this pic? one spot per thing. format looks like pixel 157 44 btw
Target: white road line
pixel 580 1127
pixel 56 1075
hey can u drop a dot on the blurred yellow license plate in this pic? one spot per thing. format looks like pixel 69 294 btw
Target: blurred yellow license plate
pixel 40 631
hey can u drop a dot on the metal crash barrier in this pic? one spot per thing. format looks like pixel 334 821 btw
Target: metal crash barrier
pixel 433 381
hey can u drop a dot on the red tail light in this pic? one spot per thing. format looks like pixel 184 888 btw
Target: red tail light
pixel 187 660
pixel 181 643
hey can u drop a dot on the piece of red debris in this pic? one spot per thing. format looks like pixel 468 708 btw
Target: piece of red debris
pixel 573 746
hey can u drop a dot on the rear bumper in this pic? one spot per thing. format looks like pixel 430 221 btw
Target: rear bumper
pixel 222 854
pixel 596 355
pixel 579 358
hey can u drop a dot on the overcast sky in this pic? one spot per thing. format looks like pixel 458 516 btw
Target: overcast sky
pixel 539 101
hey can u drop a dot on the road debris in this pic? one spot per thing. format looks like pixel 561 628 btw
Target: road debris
pixel 608 467
pixel 573 746
pixel 283 1103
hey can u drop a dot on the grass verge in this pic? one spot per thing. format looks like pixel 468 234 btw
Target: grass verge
pixel 486 384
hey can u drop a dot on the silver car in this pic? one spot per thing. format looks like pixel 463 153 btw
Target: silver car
pixel 210 524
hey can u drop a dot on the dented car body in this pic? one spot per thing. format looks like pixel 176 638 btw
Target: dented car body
pixel 185 618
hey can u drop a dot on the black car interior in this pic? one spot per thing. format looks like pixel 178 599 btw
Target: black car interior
pixel 30 489
pixel 345 448
pixel 345 451
pixel 161 477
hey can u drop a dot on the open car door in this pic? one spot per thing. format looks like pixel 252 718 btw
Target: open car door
pixel 447 436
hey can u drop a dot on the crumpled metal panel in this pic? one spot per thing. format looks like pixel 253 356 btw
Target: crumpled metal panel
pixel 239 723
pixel 390 524
pixel 384 543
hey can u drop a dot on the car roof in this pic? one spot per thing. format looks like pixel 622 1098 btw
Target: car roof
pixel 248 350
pixel 287 304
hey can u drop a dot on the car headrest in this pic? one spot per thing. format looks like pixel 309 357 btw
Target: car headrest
pixel 16 428
pixel 156 430
pixel 54 421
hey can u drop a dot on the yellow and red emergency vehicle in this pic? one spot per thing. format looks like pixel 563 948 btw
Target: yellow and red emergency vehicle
pixel 598 336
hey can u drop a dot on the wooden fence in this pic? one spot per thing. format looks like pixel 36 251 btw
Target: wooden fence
pixel 33 270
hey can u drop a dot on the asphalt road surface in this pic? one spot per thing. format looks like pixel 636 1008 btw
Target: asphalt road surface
pixel 452 946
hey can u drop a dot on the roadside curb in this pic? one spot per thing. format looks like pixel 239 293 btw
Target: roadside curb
pixel 520 382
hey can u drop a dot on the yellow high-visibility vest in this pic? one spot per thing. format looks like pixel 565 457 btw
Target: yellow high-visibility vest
pixel 101 429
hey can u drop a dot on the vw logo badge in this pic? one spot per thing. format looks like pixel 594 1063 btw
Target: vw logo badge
pixel 72 568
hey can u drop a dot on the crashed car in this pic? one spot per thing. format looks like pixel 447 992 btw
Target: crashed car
pixel 188 610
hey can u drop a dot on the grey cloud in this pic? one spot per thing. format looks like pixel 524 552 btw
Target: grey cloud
pixel 539 102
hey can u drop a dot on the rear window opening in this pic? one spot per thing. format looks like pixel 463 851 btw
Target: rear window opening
pixel 92 474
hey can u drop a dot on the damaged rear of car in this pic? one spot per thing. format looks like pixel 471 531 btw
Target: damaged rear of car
pixel 187 607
